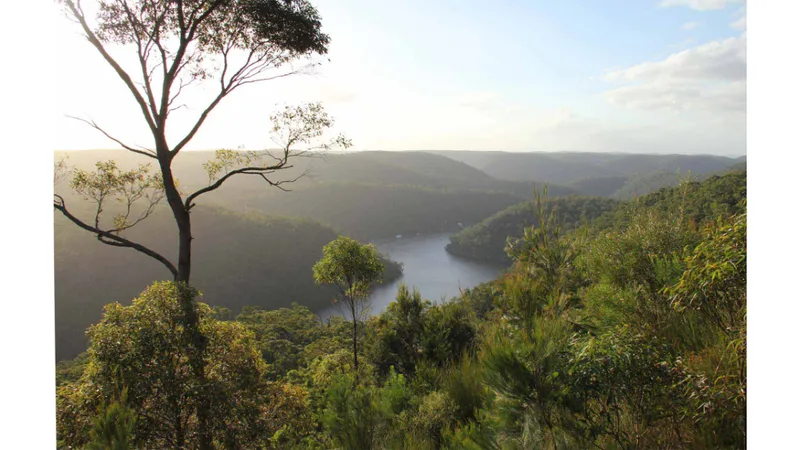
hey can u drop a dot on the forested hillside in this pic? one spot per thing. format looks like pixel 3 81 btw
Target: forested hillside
pixel 372 211
pixel 415 168
pixel 568 167
pixel 242 260
pixel 630 335
pixel 369 195
pixel 642 184
pixel 619 176
pixel 696 201
pixel 699 200
pixel 487 239
pixel 599 186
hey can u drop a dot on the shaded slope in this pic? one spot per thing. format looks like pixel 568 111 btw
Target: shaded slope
pixel 371 211
pixel 237 261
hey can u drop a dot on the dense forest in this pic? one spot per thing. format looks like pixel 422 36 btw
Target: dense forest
pixel 487 239
pixel 699 200
pixel 628 332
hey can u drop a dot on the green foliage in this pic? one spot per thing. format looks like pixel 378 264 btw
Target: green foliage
pixel 291 338
pixel 70 371
pixel 434 415
pixel 629 257
pixel 292 126
pixel 113 427
pixel 449 332
pixel 463 385
pixel 544 275
pixel 714 282
pixel 359 416
pixel 629 333
pixel 60 169
pixel 634 356
pixel 350 266
pixel 621 391
pixel 487 240
pixel 698 201
pixel 128 188
pixel 714 286
pixel 395 396
pixel 415 333
pixel 481 299
pixel 399 333
pixel 642 184
pixel 143 347
pixel 225 160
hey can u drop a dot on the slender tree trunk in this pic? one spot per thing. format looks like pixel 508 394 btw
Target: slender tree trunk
pixel 197 349
pixel 180 440
pixel 182 219
pixel 355 335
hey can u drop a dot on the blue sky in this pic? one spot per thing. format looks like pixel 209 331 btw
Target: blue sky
pixel 648 76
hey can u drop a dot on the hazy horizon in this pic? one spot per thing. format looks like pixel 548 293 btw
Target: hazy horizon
pixel 734 156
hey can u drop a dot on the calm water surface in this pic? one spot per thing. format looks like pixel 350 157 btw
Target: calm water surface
pixel 428 267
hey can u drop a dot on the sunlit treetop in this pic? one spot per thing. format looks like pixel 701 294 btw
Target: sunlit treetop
pixel 215 25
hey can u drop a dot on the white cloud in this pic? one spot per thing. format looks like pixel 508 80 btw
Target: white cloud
pixel 700 5
pixel 740 24
pixel 716 60
pixel 690 25
pixel 709 78
pixel 728 97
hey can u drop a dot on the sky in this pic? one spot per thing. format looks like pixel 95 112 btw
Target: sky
pixel 636 76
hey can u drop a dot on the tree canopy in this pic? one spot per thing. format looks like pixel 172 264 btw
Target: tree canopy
pixel 141 349
pixel 351 267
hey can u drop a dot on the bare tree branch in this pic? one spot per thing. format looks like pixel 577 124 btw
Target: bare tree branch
pixel 109 238
pixel 278 184
pixel 93 124
pixel 235 81
pixel 143 53
pixel 77 12
pixel 178 61
pixel 244 170
pixel 274 77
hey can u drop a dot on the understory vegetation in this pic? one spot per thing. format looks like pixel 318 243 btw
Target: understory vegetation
pixel 626 331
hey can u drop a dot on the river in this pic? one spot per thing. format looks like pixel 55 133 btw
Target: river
pixel 428 267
